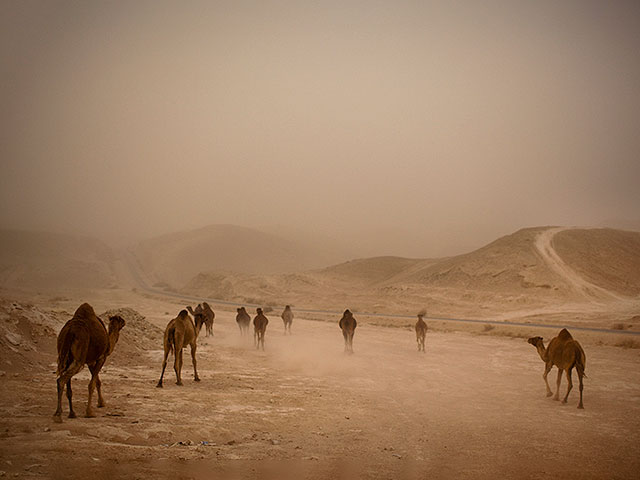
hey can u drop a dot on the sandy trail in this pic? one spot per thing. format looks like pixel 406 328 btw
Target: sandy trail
pixel 544 244
pixel 471 407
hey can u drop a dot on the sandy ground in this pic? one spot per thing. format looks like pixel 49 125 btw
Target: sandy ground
pixel 472 406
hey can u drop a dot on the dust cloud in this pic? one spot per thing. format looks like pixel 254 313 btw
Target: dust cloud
pixel 415 129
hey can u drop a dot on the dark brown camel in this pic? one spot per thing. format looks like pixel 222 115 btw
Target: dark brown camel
pixel 244 320
pixel 84 340
pixel 179 333
pixel 348 326
pixel 208 313
pixel 287 318
pixel 421 331
pixel 259 328
pixel 565 353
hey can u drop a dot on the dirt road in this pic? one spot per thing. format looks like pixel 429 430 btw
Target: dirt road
pixel 472 406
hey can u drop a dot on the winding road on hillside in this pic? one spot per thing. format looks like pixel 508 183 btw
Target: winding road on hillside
pixel 544 244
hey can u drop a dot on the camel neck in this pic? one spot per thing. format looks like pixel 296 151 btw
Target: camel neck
pixel 113 339
pixel 542 351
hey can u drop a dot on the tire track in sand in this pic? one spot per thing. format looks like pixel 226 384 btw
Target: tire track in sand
pixel 544 244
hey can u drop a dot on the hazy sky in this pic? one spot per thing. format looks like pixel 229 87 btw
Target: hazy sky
pixel 417 128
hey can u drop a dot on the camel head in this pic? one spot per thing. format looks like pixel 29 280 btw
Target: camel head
pixel 535 341
pixel 347 313
pixel 116 323
pixel 259 311
pixel 422 313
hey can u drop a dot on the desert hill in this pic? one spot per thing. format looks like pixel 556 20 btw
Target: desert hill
pixel 176 258
pixel 606 257
pixel 518 270
pixel 50 261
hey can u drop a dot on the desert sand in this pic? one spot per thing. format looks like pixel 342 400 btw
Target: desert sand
pixel 472 406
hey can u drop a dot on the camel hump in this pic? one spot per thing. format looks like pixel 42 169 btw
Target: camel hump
pixel 183 314
pixel 564 335
pixel 84 311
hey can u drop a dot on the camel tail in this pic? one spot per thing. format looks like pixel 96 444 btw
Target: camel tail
pixel 65 355
pixel 581 362
pixel 169 340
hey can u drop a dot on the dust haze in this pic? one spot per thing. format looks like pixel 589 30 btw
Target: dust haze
pixel 413 128
pixel 477 161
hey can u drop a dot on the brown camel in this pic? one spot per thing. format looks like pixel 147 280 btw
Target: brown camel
pixel 287 318
pixel 209 316
pixel 348 326
pixel 565 353
pixel 179 333
pixel 421 331
pixel 259 328
pixel 244 320
pixel 84 340
pixel 208 313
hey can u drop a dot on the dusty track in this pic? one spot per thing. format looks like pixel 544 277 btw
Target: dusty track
pixel 544 244
pixel 471 407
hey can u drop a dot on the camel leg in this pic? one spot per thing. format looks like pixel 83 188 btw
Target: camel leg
pixel 177 366
pixel 569 386
pixel 57 416
pixel 65 379
pixel 92 385
pixel 558 380
pixel 547 369
pixel 193 360
pixel 346 341
pixel 95 373
pixel 580 375
pixel 164 365
pixel 72 414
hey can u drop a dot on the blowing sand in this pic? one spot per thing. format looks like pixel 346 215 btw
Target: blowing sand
pixel 472 406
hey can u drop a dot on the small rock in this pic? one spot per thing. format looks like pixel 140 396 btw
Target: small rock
pixel 397 456
pixel 275 442
pixel 231 442
pixel 47 429
pixel 13 338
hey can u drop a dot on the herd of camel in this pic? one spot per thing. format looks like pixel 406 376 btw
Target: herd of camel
pixel 85 340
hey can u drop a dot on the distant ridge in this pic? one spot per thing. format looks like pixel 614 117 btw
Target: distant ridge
pixel 53 261
pixel 511 270
pixel 178 257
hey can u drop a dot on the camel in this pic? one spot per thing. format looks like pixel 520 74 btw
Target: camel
pixel 348 326
pixel 260 327
pixel 287 318
pixel 565 353
pixel 244 320
pixel 209 316
pixel 208 313
pixel 84 340
pixel 180 332
pixel 421 331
